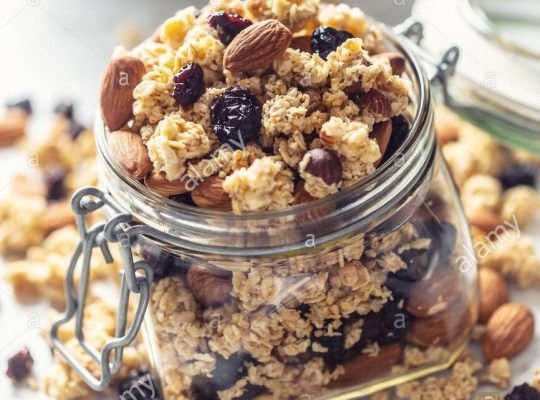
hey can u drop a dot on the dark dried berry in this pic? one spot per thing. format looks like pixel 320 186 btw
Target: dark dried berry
pixel 517 174
pixel 54 180
pixel 326 40
pixel 75 129
pixel 443 237
pixel 400 131
pixel 24 105
pixel 228 25
pixel 523 392
pixel 236 116
pixel 64 109
pixel 388 326
pixel 138 386
pixel 228 370
pixel 184 198
pixel 250 392
pixel 20 365
pixel 188 84
pixel 326 165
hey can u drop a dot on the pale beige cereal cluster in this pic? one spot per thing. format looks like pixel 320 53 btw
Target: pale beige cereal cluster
pixel 481 191
pixel 174 30
pixel 293 14
pixel 153 96
pixel 265 185
pixel 536 380
pixel 174 142
pixel 498 373
pixel 291 149
pixel 154 54
pixel 520 203
pixel 344 17
pixel 302 69
pixel 286 114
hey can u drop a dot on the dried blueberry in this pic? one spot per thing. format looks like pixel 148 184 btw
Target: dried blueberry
pixel 54 179
pixel 523 392
pixel 138 386
pixel 20 365
pixel 517 174
pixel 390 325
pixel 188 84
pixel 24 105
pixel 236 116
pixel 326 40
pixel 400 131
pixel 64 109
pixel 228 25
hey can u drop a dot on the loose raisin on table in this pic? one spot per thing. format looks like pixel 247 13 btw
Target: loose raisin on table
pixel 188 84
pixel 523 392
pixel 517 174
pixel 326 40
pixel 236 116
pixel 20 365
pixel 228 25
pixel 138 386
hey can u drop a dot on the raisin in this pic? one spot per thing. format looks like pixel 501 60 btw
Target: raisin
pixel 138 386
pixel 325 40
pixel 236 116
pixel 202 388
pixel 20 365
pixel 54 179
pixel 388 326
pixel 517 174
pixel 443 237
pixel 188 84
pixel 184 198
pixel 228 25
pixel 64 109
pixel 400 131
pixel 24 105
pixel 523 392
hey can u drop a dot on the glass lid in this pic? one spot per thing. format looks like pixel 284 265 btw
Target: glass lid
pixel 497 80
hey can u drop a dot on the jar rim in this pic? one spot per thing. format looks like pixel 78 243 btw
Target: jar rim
pixel 190 217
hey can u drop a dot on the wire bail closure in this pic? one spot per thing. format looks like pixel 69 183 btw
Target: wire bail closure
pixel 136 278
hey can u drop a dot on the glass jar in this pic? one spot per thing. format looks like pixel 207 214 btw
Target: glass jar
pixel 337 298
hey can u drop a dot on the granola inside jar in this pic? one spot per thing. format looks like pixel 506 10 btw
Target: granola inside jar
pixel 312 243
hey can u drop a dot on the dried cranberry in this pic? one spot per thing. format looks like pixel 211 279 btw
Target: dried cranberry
pixel 400 131
pixel 189 84
pixel 326 40
pixel 138 386
pixel 523 392
pixel 517 174
pixel 236 116
pixel 20 365
pixel 228 25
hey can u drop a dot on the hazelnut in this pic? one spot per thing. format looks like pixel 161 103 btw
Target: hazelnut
pixel 324 164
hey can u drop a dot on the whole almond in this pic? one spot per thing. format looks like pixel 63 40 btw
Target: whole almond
pixel 435 293
pixel 257 46
pixel 508 332
pixel 56 216
pixel 375 101
pixel 484 218
pixel 493 292
pixel 397 61
pixel 210 194
pixel 441 328
pixel 158 183
pixel 382 132
pixel 210 287
pixel 365 366
pixel 128 150
pixel 121 76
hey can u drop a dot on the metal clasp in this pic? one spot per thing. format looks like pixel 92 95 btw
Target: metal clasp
pixel 136 278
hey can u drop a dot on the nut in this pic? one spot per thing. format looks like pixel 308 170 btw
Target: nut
pixel 129 151
pixel 324 164
pixel 210 194
pixel 441 328
pixel 121 76
pixel 366 366
pixel 484 218
pixel 508 332
pixel 434 294
pixel 302 43
pixel 12 128
pixel 300 194
pixel 56 216
pixel 397 61
pixel 493 292
pixel 257 46
pixel 157 182
pixel 376 102
pixel 382 132
pixel 210 287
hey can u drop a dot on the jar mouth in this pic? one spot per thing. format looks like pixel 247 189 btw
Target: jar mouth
pixel 200 226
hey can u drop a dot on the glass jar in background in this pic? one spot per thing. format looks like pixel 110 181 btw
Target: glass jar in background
pixel 336 298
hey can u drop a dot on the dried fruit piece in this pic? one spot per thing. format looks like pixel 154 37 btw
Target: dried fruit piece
pixel 400 131
pixel 523 392
pixel 55 176
pixel 228 25
pixel 128 150
pixel 324 164
pixel 388 326
pixel 189 84
pixel 516 174
pixel 20 365
pixel 508 332
pixel 158 183
pixel 382 132
pixel 397 61
pixel 121 76
pixel 257 46
pixel 326 39
pixel 210 287
pixel 24 105
pixel 236 116
pixel 64 109
pixel 493 293
pixel 210 194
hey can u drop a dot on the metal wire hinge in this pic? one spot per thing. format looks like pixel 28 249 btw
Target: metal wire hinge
pixel 136 278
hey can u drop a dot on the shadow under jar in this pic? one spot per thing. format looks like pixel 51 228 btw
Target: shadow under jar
pixel 337 298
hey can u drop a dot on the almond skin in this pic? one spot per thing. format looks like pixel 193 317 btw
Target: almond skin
pixel 121 76
pixel 157 182
pixel 509 331
pixel 257 46
pixel 210 287
pixel 382 132
pixel 397 61
pixel 128 150
pixel 210 194
pixel 493 293
pixel 376 102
